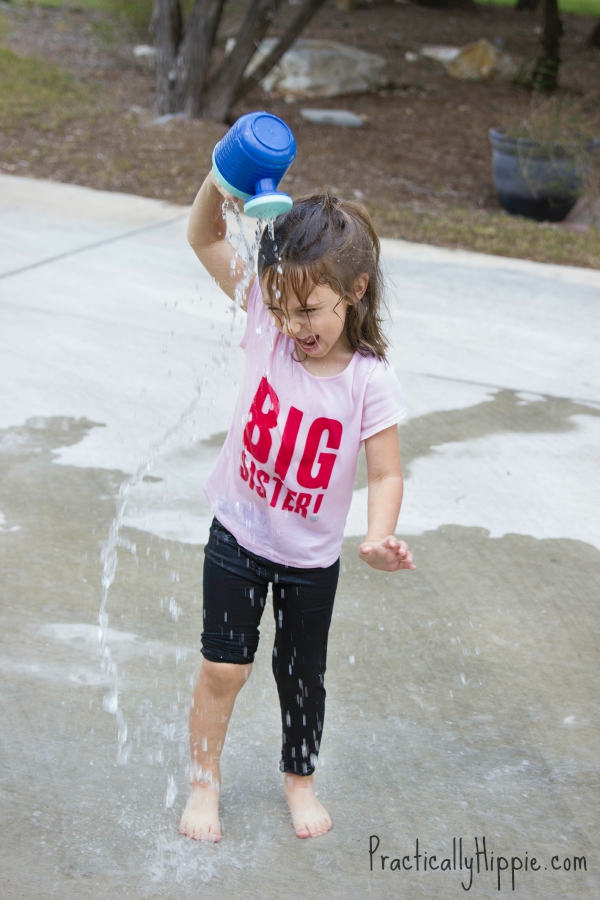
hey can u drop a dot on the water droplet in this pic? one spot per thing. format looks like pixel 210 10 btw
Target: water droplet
pixel 171 793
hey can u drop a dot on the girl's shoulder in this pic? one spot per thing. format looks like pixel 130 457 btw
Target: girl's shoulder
pixel 372 365
pixel 383 399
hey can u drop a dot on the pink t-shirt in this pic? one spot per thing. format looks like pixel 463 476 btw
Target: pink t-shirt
pixel 283 482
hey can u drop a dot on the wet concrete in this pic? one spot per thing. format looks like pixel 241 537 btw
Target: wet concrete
pixel 462 698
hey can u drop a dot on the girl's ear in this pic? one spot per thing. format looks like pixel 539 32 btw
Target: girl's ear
pixel 360 285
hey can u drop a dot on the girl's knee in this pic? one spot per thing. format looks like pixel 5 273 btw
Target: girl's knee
pixel 222 677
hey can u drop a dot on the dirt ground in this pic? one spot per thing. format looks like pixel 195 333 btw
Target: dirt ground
pixel 424 150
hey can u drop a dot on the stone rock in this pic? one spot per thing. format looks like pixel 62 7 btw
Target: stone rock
pixel 313 68
pixel 342 117
pixel 481 61
pixel 169 117
pixel 142 50
pixel 145 55
pixel 441 54
pixel 584 214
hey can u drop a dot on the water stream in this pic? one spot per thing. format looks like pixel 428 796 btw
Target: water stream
pixel 244 252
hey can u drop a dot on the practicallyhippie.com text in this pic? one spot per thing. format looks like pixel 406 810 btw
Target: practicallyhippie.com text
pixel 472 858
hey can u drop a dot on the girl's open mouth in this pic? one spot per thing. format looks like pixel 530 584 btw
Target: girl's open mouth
pixel 309 343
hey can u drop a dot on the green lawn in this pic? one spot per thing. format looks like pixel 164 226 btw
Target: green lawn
pixel 33 91
pixel 140 10
pixel 583 7
pixel 491 232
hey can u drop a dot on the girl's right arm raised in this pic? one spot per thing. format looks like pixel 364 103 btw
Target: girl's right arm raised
pixel 206 234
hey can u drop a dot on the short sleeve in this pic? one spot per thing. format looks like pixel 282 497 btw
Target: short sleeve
pixel 257 315
pixel 384 404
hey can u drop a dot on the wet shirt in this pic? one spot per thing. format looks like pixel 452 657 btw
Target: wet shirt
pixel 283 481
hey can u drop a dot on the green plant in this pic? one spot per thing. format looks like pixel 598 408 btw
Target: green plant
pixel 558 121
pixel 563 131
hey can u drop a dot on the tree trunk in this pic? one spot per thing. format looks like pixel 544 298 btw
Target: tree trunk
pixel 193 61
pixel 594 38
pixel 184 81
pixel 166 25
pixel 545 71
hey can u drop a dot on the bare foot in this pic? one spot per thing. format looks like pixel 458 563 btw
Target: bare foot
pixel 309 817
pixel 200 819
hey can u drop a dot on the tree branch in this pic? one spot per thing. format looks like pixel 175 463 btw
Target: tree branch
pixel 222 87
pixel 305 14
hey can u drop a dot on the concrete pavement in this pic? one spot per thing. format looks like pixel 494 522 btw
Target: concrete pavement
pixel 462 697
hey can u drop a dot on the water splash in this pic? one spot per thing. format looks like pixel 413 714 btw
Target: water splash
pixel 244 252
pixel 171 793
pixel 110 560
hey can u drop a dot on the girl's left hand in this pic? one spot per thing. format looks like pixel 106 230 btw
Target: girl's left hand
pixel 389 554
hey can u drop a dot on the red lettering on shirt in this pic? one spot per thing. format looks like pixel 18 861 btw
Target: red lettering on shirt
pixel 261 479
pixel 243 467
pixel 302 504
pixel 278 486
pixel 258 441
pixel 261 420
pixel 288 441
pixel 288 503
pixel 326 461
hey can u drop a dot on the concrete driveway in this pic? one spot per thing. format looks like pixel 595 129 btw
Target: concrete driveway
pixel 462 698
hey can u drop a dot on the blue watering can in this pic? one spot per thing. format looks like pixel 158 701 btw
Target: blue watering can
pixel 250 161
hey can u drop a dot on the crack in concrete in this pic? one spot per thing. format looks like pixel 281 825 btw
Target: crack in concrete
pixel 111 240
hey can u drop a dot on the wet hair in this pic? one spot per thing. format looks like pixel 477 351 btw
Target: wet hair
pixel 323 240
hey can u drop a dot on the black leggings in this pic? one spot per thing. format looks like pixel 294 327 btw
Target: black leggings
pixel 235 590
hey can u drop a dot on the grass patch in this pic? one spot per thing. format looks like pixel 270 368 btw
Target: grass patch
pixel 137 12
pixel 582 7
pixel 33 91
pixel 495 233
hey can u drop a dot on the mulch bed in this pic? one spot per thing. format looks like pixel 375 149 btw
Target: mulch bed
pixel 424 146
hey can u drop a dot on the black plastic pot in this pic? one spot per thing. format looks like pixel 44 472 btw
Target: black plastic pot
pixel 537 181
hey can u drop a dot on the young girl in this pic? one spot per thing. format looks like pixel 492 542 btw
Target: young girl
pixel 316 386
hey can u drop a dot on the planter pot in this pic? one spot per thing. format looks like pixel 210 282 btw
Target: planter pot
pixel 535 180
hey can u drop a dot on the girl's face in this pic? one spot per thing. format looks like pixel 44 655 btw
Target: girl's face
pixel 318 326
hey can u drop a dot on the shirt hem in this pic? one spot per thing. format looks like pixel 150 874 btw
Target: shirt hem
pixel 260 551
